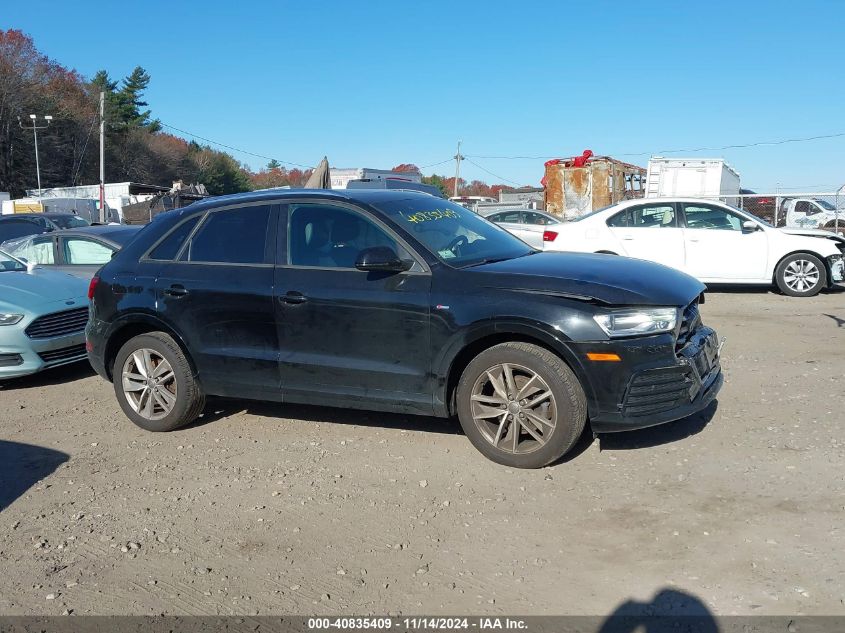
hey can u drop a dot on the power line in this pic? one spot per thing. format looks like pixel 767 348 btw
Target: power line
pixel 448 160
pixel 675 151
pixel 78 169
pixel 234 149
pixel 491 173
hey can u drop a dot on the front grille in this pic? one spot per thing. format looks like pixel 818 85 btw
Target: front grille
pixel 74 352
pixel 657 390
pixel 58 324
pixel 690 321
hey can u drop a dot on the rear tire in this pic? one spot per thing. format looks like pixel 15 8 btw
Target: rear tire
pixel 520 405
pixel 801 275
pixel 154 383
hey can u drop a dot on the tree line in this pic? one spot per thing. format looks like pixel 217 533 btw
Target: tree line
pixel 137 148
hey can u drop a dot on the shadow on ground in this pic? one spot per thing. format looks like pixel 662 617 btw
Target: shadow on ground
pixel 669 610
pixel 58 376
pixel 24 465
pixel 661 434
pixel 218 408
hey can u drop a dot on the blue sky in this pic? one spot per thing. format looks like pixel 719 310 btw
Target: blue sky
pixel 373 83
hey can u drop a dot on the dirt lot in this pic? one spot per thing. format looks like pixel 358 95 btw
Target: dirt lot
pixel 270 509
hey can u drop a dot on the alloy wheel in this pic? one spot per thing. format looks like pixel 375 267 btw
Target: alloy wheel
pixel 149 384
pixel 801 275
pixel 513 408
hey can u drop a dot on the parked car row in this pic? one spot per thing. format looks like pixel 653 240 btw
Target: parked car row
pixel 712 241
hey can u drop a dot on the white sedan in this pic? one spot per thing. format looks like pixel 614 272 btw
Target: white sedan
pixel 712 241
pixel 535 228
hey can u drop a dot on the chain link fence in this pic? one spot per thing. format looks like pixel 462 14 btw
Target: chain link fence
pixel 813 210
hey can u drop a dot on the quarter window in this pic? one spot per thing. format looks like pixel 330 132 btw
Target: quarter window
pixel 169 247
pixel 705 216
pixel 332 237
pixel 234 236
pixel 81 251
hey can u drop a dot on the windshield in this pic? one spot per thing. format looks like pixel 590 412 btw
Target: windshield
pixel 824 204
pixel 69 221
pixel 7 263
pixel 457 236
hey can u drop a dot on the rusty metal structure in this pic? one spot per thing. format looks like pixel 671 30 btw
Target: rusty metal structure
pixel 581 184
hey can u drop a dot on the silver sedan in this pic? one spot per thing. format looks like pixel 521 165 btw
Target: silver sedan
pixel 534 227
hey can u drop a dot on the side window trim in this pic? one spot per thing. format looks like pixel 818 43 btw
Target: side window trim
pixel 420 265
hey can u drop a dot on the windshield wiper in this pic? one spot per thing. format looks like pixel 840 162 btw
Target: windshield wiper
pixel 487 260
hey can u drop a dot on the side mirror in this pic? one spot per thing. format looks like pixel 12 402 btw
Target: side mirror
pixel 750 225
pixel 382 259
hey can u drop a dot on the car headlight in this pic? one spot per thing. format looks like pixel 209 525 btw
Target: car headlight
pixel 9 319
pixel 633 322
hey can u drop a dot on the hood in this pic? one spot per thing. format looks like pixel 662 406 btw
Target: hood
pixel 815 232
pixel 608 279
pixel 31 290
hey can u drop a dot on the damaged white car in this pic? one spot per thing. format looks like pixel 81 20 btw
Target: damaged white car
pixel 715 242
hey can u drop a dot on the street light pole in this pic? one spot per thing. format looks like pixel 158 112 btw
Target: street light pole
pixel 35 127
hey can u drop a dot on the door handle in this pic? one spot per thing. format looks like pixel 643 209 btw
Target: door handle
pixel 176 291
pixel 628 237
pixel 293 297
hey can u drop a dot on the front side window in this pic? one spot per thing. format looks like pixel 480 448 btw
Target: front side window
pixel 802 206
pixel 80 251
pixel 329 236
pixel 232 236
pixel 452 233
pixel 537 218
pixel 705 216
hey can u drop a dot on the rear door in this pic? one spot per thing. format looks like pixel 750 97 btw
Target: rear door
pixel 718 249
pixel 218 294
pixel 650 231
pixel 346 334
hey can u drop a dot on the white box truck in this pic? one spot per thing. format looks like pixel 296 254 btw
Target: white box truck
pixel 691 177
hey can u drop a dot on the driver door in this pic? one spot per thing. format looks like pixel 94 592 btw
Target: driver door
pixel 344 333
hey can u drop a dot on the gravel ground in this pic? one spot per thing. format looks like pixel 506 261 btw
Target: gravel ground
pixel 271 509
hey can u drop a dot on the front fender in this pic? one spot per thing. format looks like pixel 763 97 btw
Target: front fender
pixel 497 331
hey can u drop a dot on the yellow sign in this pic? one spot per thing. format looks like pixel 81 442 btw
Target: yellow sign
pixel 28 207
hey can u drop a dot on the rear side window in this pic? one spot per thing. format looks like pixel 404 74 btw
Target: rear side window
pixel 235 236
pixel 619 220
pixel 169 247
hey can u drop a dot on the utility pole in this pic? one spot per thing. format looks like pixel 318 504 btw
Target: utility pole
pixel 103 157
pixel 458 159
pixel 35 127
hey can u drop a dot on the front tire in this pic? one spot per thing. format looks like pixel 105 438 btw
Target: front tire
pixel 801 275
pixel 154 383
pixel 520 405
